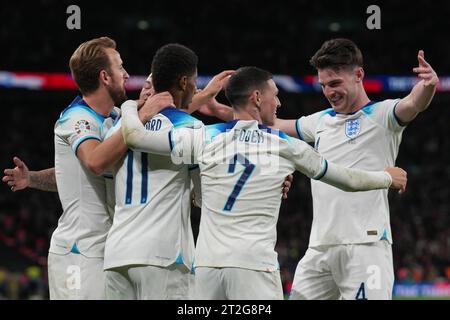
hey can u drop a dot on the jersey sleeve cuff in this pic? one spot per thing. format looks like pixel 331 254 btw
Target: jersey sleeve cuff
pixel 399 122
pixel 323 171
pixel 77 144
pixel 297 128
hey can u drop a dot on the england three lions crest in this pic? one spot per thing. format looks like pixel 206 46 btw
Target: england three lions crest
pixel 352 128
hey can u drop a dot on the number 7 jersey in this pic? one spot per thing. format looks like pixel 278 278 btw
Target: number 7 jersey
pixel 243 166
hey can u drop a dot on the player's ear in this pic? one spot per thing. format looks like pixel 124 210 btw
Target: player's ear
pixel 255 97
pixel 182 83
pixel 104 77
pixel 359 74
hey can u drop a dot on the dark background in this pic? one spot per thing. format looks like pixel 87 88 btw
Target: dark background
pixel 279 36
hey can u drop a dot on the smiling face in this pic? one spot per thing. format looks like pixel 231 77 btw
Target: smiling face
pixel 269 103
pixel 342 87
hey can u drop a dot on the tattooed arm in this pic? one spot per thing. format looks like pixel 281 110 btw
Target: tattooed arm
pixel 20 178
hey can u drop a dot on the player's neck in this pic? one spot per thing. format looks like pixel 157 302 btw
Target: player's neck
pixel 361 102
pixel 249 113
pixel 100 102
pixel 176 96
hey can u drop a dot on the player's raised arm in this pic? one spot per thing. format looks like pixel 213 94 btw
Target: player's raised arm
pixel 213 108
pixel 422 93
pixel 205 100
pixel 20 178
pixel 135 135
pixel 312 164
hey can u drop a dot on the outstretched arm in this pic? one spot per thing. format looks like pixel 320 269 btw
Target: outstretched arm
pixel 312 164
pixel 135 135
pixel 20 178
pixel 422 93
pixel 287 126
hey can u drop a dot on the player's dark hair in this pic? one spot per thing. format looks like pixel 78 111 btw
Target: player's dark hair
pixel 337 54
pixel 88 60
pixel 170 63
pixel 243 82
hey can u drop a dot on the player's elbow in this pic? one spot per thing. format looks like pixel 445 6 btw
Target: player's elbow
pixel 132 140
pixel 130 137
pixel 96 167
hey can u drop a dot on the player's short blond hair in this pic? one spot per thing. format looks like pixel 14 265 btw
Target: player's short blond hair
pixel 88 60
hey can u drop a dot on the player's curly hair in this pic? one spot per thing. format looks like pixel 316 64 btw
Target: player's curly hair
pixel 88 60
pixel 170 63
pixel 243 82
pixel 336 54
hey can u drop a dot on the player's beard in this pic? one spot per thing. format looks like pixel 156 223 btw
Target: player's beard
pixel 117 94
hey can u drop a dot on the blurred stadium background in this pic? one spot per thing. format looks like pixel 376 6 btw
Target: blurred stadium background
pixel 279 36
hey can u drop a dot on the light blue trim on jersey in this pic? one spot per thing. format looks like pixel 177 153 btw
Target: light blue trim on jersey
pixel 79 104
pixel 75 249
pixel 297 128
pixel 117 121
pixel 193 267
pixel 213 130
pixel 179 259
pixel 75 146
pixel 323 171
pixel 329 111
pixel 385 235
pixel 178 118
pixel 275 132
pixel 368 108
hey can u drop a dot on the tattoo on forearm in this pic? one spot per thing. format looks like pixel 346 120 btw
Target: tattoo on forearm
pixel 44 180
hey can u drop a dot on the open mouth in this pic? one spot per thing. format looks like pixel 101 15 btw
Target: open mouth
pixel 336 100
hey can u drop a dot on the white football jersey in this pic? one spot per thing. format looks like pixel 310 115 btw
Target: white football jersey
pixel 367 139
pixel 86 218
pixel 243 166
pixel 152 223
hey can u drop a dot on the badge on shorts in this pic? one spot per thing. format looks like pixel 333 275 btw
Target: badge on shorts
pixel 82 126
pixel 352 128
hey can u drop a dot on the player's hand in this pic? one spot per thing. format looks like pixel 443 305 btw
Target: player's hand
pixel 209 108
pixel 19 177
pixel 425 71
pixel 154 104
pixel 147 90
pixel 217 83
pixel 399 178
pixel 287 185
